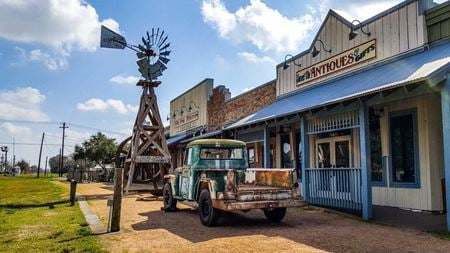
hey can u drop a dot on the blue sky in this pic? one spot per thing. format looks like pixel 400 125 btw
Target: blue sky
pixel 51 68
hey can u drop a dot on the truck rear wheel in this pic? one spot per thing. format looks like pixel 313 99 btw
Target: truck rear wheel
pixel 170 203
pixel 275 214
pixel 208 214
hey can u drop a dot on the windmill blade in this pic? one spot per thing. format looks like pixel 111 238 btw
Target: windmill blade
pixel 164 47
pixel 143 62
pixel 163 67
pixel 163 41
pixel 157 65
pixel 141 48
pixel 165 53
pixel 156 37
pixel 144 41
pixel 163 59
pixel 160 38
pixel 148 37
pixel 140 55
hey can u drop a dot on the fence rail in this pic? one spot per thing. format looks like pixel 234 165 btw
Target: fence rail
pixel 89 176
pixel 334 187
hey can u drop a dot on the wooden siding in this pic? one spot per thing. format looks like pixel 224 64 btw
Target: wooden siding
pixel 438 22
pixel 429 195
pixel 396 32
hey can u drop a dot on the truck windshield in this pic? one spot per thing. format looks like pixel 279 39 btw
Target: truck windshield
pixel 221 153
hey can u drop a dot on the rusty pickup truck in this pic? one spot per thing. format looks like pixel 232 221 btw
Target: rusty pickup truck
pixel 215 178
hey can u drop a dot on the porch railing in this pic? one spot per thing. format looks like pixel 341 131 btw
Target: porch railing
pixel 334 187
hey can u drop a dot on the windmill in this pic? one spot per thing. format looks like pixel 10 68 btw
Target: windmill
pixel 145 152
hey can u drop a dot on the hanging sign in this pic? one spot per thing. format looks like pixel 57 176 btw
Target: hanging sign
pixel 338 62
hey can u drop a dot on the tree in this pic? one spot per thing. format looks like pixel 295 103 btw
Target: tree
pixel 69 163
pixel 98 148
pixel 24 166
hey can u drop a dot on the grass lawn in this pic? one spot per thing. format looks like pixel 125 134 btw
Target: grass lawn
pixel 36 216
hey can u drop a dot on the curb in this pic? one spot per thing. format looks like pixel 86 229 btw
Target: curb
pixel 91 218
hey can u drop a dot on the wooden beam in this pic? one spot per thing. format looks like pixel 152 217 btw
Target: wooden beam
pixel 366 177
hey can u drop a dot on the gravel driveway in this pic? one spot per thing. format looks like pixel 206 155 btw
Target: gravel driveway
pixel 145 228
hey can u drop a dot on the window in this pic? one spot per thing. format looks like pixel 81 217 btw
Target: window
pixel 378 174
pixel 404 149
pixel 251 155
pixel 221 153
pixel 188 157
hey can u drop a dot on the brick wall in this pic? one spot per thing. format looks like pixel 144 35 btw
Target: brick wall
pixel 224 111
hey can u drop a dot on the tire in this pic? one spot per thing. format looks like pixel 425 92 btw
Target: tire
pixel 208 214
pixel 170 203
pixel 275 214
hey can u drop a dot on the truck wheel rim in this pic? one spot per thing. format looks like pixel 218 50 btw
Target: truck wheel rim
pixel 205 208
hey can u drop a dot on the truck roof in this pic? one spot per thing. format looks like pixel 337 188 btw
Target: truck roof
pixel 216 142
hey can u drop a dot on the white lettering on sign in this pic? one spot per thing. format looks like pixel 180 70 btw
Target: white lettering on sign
pixel 338 62
pixel 152 159
pixel 188 122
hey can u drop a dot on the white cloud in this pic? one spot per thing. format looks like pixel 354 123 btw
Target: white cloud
pixel 99 105
pixel 355 9
pixel 61 25
pixel 122 79
pixel 54 61
pixel 260 25
pixel 251 57
pixel 15 130
pixel 23 103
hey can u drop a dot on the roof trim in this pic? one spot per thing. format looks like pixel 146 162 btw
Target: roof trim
pixel 193 87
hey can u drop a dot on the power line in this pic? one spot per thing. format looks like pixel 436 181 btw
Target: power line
pixel 34 144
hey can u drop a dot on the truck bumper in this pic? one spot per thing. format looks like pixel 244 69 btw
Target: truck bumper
pixel 227 205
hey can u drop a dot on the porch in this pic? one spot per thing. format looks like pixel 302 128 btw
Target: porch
pixel 330 130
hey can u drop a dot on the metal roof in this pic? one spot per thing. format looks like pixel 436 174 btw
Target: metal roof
pixel 216 142
pixel 203 136
pixel 177 138
pixel 371 79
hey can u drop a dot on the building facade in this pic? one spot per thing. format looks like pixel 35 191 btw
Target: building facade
pixel 364 112
pixel 204 111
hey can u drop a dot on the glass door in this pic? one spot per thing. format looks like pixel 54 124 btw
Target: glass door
pixel 333 152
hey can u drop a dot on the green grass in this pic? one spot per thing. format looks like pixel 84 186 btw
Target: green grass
pixel 36 216
pixel 443 235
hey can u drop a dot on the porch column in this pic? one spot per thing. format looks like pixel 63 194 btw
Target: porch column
pixel 445 104
pixel 366 177
pixel 266 147
pixel 305 155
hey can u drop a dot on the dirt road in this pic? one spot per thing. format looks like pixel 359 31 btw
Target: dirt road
pixel 145 228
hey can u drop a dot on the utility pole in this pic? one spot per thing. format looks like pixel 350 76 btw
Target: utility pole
pixel 14 153
pixel 40 154
pixel 62 148
pixel 45 170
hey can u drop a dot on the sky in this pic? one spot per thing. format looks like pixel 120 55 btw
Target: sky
pixel 52 69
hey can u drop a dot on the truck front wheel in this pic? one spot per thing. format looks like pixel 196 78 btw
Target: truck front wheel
pixel 170 203
pixel 208 214
pixel 275 214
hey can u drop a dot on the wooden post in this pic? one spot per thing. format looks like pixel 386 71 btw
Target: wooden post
pixel 266 147
pixel 366 175
pixel 117 200
pixel 445 105
pixel 305 156
pixel 73 191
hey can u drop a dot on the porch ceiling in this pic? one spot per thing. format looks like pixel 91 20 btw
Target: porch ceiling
pixel 426 65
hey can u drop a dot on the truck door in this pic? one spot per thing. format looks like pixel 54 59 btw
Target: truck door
pixel 185 189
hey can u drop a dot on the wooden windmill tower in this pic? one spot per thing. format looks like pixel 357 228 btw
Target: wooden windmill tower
pixel 147 155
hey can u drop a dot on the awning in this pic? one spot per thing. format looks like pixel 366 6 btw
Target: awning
pixel 176 139
pixel 421 66
pixel 203 136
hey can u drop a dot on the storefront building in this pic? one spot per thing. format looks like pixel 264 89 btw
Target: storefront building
pixel 364 112
pixel 204 111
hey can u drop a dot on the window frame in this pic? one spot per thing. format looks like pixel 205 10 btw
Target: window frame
pixel 243 150
pixel 384 160
pixel 417 183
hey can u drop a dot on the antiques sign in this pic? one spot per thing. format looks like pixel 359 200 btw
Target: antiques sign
pixel 341 61
pixel 189 121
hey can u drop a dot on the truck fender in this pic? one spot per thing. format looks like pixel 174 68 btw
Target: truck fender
pixel 206 184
